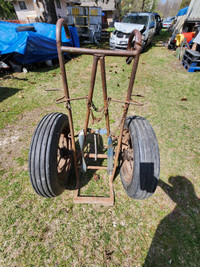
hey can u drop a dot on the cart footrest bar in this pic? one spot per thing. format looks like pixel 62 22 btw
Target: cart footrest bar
pixel 94 167
pixel 92 155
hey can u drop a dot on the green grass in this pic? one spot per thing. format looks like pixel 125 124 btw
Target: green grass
pixel 160 231
pixel 25 92
pixel 111 29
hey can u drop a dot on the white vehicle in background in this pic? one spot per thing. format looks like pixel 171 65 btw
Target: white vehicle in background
pixel 168 22
pixel 144 22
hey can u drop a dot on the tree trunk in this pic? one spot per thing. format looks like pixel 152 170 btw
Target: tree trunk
pixel 49 13
pixel 142 8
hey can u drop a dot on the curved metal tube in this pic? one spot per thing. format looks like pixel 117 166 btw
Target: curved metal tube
pixel 61 22
pixel 137 44
pixel 130 52
pixel 138 41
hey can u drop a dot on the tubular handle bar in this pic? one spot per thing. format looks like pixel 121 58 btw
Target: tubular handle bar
pixel 130 52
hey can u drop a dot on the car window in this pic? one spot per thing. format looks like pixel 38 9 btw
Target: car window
pixel 152 18
pixel 158 18
pixel 136 19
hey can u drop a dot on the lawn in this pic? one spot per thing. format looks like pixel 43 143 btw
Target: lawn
pixel 163 230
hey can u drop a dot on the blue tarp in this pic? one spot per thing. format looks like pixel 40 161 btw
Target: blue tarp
pixel 182 11
pixel 31 47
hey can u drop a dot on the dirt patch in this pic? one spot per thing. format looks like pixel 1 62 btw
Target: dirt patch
pixel 16 137
pixel 177 65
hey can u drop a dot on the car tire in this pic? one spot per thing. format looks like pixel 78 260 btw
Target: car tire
pixel 143 46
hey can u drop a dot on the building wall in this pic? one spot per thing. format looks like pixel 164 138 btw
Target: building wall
pixel 103 4
pixel 25 14
pixel 34 11
pixel 110 18
pixel 38 6
pixel 61 12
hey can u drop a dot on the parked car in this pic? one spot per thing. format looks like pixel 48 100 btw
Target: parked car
pixel 168 22
pixel 159 24
pixel 171 18
pixel 144 22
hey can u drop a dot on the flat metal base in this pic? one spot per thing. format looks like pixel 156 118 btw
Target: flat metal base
pixel 105 201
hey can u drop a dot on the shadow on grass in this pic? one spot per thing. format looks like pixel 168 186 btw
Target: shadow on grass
pixel 7 92
pixel 42 66
pixel 8 74
pixel 163 36
pixel 158 40
pixel 176 241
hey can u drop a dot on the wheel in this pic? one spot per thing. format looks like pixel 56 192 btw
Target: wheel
pixel 144 44
pixel 140 166
pixel 50 160
pixel 25 28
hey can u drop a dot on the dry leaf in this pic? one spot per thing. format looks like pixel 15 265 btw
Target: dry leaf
pixel 184 99
pixel 96 177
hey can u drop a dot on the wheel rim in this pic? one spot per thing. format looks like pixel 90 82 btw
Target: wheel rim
pixel 64 157
pixel 127 157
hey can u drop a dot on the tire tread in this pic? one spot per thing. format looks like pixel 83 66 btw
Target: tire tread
pixel 39 155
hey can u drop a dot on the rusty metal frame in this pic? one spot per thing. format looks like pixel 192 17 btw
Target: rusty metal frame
pixel 98 55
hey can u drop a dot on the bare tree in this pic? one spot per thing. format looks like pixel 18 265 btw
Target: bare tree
pixel 169 7
pixel 138 5
pixel 49 13
pixel 143 2
pixel 185 3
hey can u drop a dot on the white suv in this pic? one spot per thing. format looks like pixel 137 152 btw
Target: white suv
pixel 144 22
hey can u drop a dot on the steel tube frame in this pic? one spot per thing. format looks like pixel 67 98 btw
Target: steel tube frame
pixel 99 55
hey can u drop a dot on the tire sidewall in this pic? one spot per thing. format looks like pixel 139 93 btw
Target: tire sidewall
pixel 131 187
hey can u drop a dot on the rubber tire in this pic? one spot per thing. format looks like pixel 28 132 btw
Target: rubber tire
pixel 146 165
pixel 25 29
pixel 143 46
pixel 43 170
